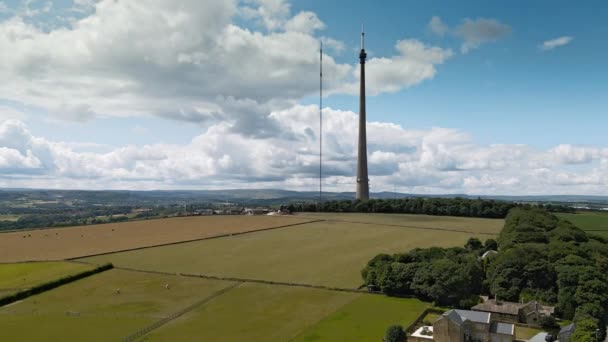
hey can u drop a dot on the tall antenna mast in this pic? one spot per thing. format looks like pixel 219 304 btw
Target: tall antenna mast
pixel 321 125
pixel 362 36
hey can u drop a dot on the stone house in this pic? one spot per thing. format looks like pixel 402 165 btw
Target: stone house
pixel 465 326
pixel 527 313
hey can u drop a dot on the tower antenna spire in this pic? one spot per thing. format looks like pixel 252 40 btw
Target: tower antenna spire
pixel 320 125
pixel 362 37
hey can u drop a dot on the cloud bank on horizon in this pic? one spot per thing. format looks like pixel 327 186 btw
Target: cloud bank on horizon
pixel 240 71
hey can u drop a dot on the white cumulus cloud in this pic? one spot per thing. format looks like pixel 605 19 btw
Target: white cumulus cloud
pixel 554 43
pixel 436 160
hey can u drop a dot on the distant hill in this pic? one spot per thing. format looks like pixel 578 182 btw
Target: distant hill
pixel 248 196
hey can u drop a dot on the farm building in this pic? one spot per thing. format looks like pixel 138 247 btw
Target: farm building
pixel 527 313
pixel 464 325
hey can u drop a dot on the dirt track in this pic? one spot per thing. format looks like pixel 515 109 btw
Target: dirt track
pixel 72 242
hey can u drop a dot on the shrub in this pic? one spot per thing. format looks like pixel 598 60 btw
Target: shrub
pixel 395 333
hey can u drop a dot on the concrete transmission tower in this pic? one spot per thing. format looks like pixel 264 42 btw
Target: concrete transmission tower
pixel 362 176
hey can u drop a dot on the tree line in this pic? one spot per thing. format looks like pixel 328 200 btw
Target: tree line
pixel 540 257
pixel 465 207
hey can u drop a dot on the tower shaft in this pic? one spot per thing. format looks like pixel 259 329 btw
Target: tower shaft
pixel 362 176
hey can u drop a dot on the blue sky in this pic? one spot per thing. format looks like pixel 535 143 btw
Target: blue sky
pixel 508 91
pixel 476 102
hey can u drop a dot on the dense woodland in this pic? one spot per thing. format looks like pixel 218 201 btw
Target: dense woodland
pixel 539 257
pixel 427 206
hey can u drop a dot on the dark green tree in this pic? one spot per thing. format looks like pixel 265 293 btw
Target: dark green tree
pixel 473 244
pixel 395 333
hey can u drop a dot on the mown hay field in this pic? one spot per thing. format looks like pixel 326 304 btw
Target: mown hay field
pixel 254 312
pixel 464 224
pixel 21 276
pixel 91 309
pixel 329 253
pixel 73 242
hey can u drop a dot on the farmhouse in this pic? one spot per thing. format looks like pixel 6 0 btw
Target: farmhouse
pixel 527 313
pixel 464 325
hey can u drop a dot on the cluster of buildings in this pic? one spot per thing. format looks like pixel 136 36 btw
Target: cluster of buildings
pixel 490 321
pixel 239 211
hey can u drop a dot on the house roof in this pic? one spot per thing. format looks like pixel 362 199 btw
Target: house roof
pixel 568 328
pixel 489 253
pixel 459 316
pixel 502 308
pixel 454 316
pixel 511 308
pixel 502 328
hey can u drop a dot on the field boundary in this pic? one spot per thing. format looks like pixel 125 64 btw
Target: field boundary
pixel 172 243
pixel 410 328
pixel 179 313
pixel 246 280
pixel 52 285
pixel 104 223
pixel 413 227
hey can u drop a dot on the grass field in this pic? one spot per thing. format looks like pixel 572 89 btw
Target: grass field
pixel 15 277
pixel 91 310
pixel 525 333
pixel 330 253
pixel 364 319
pixel 592 222
pixel 73 242
pixel 468 224
pixel 255 312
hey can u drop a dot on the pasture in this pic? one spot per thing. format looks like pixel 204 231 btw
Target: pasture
pixel 91 309
pixel 329 253
pixel 255 312
pixel 364 319
pixel 464 224
pixel 21 276
pixel 73 242
pixel 593 222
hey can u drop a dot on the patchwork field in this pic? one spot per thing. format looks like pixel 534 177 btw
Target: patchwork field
pixel 20 276
pixel 91 309
pixel 592 222
pixel 330 253
pixel 72 242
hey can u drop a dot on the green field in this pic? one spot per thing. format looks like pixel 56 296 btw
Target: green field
pixel 364 319
pixel 255 312
pixel 91 309
pixel 593 222
pixel 468 224
pixel 330 253
pixel 20 276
